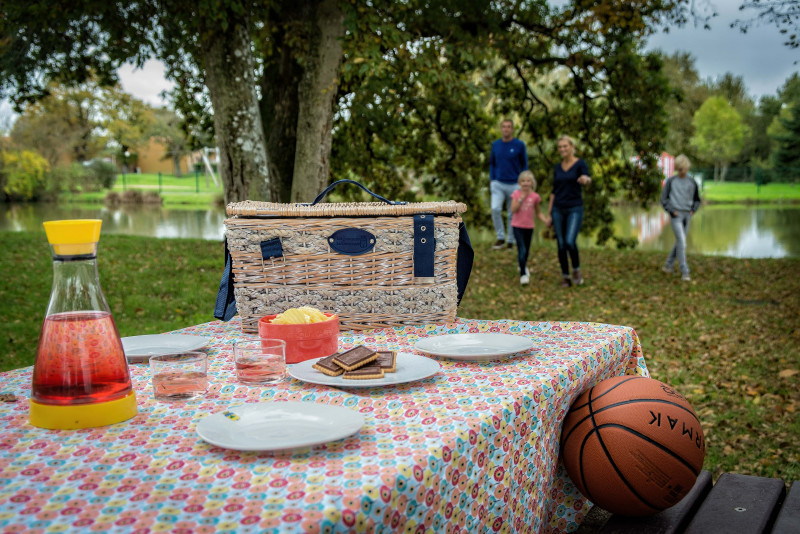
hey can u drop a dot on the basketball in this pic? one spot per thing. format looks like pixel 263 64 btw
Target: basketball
pixel 632 445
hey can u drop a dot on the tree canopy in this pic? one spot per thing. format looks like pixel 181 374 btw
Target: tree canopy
pixel 408 103
pixel 719 133
pixel 787 154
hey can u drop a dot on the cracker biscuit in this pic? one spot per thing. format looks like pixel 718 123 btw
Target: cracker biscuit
pixel 327 367
pixel 388 361
pixel 365 372
pixel 355 358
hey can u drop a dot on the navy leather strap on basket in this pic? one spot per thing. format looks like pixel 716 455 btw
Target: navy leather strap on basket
pixel 464 259
pixel 424 249
pixel 225 307
pixel 328 189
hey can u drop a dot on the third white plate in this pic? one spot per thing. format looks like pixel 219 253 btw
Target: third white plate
pixel 275 426
pixel 410 367
pixel 474 347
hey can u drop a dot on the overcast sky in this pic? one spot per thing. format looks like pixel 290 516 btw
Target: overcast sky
pixel 758 56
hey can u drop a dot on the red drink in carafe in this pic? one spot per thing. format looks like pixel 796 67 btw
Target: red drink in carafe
pixel 79 360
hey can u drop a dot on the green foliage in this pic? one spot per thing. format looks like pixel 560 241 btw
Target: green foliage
pixel 719 132
pixel 102 173
pixel 67 178
pixel 422 98
pixel 787 154
pixel 64 125
pixel 128 120
pixel 79 177
pixel 22 174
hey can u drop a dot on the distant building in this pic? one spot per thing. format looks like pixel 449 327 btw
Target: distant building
pixel 153 158
pixel 666 162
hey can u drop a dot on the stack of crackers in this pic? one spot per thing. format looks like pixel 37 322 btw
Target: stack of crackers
pixel 358 363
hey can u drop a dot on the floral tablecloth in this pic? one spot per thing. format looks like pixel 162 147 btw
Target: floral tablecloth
pixel 472 449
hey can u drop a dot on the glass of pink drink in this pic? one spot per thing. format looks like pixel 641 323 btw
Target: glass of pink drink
pixel 178 377
pixel 260 360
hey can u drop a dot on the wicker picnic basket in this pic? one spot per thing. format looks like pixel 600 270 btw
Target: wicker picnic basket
pixel 375 264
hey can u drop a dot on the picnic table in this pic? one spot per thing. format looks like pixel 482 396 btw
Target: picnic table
pixel 473 448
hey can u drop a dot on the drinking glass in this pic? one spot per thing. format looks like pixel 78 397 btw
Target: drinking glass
pixel 260 360
pixel 178 377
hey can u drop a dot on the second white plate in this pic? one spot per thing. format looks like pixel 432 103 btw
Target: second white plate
pixel 410 367
pixel 277 426
pixel 474 347
pixel 138 349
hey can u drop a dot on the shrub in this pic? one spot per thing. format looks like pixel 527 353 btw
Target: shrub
pixel 151 197
pixel 67 178
pixel 112 198
pixel 131 196
pixel 24 174
pixel 103 174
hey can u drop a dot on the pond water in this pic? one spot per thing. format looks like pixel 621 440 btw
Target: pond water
pixel 153 221
pixel 729 230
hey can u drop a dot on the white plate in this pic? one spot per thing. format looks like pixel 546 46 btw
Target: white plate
pixel 276 426
pixel 138 349
pixel 474 347
pixel 410 367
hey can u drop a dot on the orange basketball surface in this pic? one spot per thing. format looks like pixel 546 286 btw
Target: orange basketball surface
pixel 632 445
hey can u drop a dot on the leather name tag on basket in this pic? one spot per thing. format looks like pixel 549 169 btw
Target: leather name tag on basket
pixel 351 241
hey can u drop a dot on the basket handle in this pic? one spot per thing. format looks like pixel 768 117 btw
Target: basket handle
pixel 334 184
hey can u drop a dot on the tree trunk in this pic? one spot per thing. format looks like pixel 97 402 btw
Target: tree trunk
pixel 279 105
pixel 176 164
pixel 229 75
pixel 317 93
pixel 723 172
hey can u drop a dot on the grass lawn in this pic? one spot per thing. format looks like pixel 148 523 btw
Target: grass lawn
pixel 750 192
pixel 186 191
pixel 728 340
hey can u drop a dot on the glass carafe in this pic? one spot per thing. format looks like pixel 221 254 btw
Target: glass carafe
pixel 80 377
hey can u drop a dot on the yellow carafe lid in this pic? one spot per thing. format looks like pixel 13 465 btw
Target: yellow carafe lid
pixel 74 236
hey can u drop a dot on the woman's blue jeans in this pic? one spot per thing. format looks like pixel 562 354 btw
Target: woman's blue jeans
pixel 567 223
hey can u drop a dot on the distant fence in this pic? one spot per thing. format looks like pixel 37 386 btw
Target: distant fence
pixel 196 182
pixel 756 175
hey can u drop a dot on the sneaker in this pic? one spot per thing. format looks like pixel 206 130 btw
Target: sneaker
pixel 666 269
pixel 577 279
pixel 509 245
pixel 686 278
pixel 498 244
pixel 566 282
pixel 524 280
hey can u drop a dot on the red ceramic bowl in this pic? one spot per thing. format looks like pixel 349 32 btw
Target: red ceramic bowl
pixel 303 341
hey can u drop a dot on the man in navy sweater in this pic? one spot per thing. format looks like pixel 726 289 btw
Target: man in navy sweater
pixel 509 158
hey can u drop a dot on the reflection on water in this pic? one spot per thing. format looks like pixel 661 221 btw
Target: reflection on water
pixel 739 231
pixel 152 221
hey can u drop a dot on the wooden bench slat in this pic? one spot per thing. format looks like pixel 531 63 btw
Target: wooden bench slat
pixel 669 521
pixel 738 503
pixel 788 521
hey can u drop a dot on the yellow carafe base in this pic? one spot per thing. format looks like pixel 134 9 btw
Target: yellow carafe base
pixel 83 415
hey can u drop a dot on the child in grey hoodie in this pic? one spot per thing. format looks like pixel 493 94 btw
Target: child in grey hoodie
pixel 681 199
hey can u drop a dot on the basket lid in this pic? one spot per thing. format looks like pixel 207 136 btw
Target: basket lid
pixel 253 208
